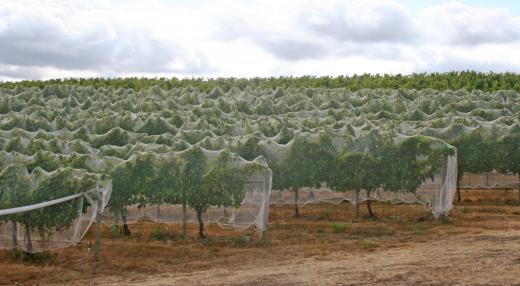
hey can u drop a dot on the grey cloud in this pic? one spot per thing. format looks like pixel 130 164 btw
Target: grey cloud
pixel 320 33
pixel 30 40
pixel 380 22
pixel 288 49
pixel 282 46
pixel 371 50
pixel 21 72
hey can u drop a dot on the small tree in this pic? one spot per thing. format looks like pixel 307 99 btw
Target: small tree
pixel 412 161
pixel 168 183
pixel 354 173
pixel 19 191
pixel 131 180
pixel 381 167
pixel 62 183
pixel 193 168
pixel 508 158
pixel 223 185
pixel 299 169
pixel 15 191
pixel 477 154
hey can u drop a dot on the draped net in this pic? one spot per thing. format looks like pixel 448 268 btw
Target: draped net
pixel 49 210
pixel 111 131
pixel 251 211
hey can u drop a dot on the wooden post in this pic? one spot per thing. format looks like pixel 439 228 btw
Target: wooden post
pixel 357 205
pixel 15 238
pixel 115 223
pixel 458 191
pixel 184 221
pixel 15 228
pixel 296 201
pixel 99 206
pixel 266 195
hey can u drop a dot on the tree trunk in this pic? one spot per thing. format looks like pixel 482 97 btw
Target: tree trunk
pixel 15 228
pixel 97 243
pixel 15 238
pixel 184 221
pixel 357 205
pixel 296 208
pixel 157 212
pixel 519 189
pixel 115 226
pixel 458 191
pixel 201 224
pixel 125 231
pixel 226 214
pixel 29 245
pixel 369 205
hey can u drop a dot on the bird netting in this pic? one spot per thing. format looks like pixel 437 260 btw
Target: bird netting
pixel 418 170
pixel 41 211
pixel 489 180
pixel 202 186
pixel 399 145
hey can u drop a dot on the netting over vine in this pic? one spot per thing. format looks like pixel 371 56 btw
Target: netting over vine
pixel 489 180
pixel 48 210
pixel 195 185
pixel 397 145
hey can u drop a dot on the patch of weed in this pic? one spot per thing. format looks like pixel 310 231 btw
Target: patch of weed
pixel 160 233
pixel 339 227
pixel 369 245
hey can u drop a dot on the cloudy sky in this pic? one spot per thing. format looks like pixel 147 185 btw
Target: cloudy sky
pixel 208 38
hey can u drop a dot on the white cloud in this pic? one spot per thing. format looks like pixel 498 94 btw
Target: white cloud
pixel 53 38
pixel 454 23
pixel 485 57
pixel 359 21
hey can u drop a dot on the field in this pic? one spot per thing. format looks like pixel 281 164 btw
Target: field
pixel 479 243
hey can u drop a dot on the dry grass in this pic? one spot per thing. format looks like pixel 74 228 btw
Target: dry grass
pixel 322 230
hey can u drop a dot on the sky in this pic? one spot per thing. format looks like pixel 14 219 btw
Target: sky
pixel 223 38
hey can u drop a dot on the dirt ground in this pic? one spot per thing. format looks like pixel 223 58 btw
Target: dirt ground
pixel 476 259
pixel 478 245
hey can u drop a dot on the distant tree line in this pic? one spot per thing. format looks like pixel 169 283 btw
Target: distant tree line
pixel 466 80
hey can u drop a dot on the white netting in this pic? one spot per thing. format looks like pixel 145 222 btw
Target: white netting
pixel 140 138
pixel 435 193
pixel 252 210
pixel 36 213
pixel 489 180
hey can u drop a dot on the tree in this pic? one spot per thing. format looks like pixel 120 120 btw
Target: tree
pixel 59 184
pixel 15 191
pixel 194 166
pixel 307 163
pixel 354 173
pixel 509 155
pixel 168 183
pixel 414 160
pixel 476 153
pixel 299 169
pixel 223 185
pixel 131 180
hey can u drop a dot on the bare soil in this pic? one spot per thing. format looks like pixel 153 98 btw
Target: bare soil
pixel 476 259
